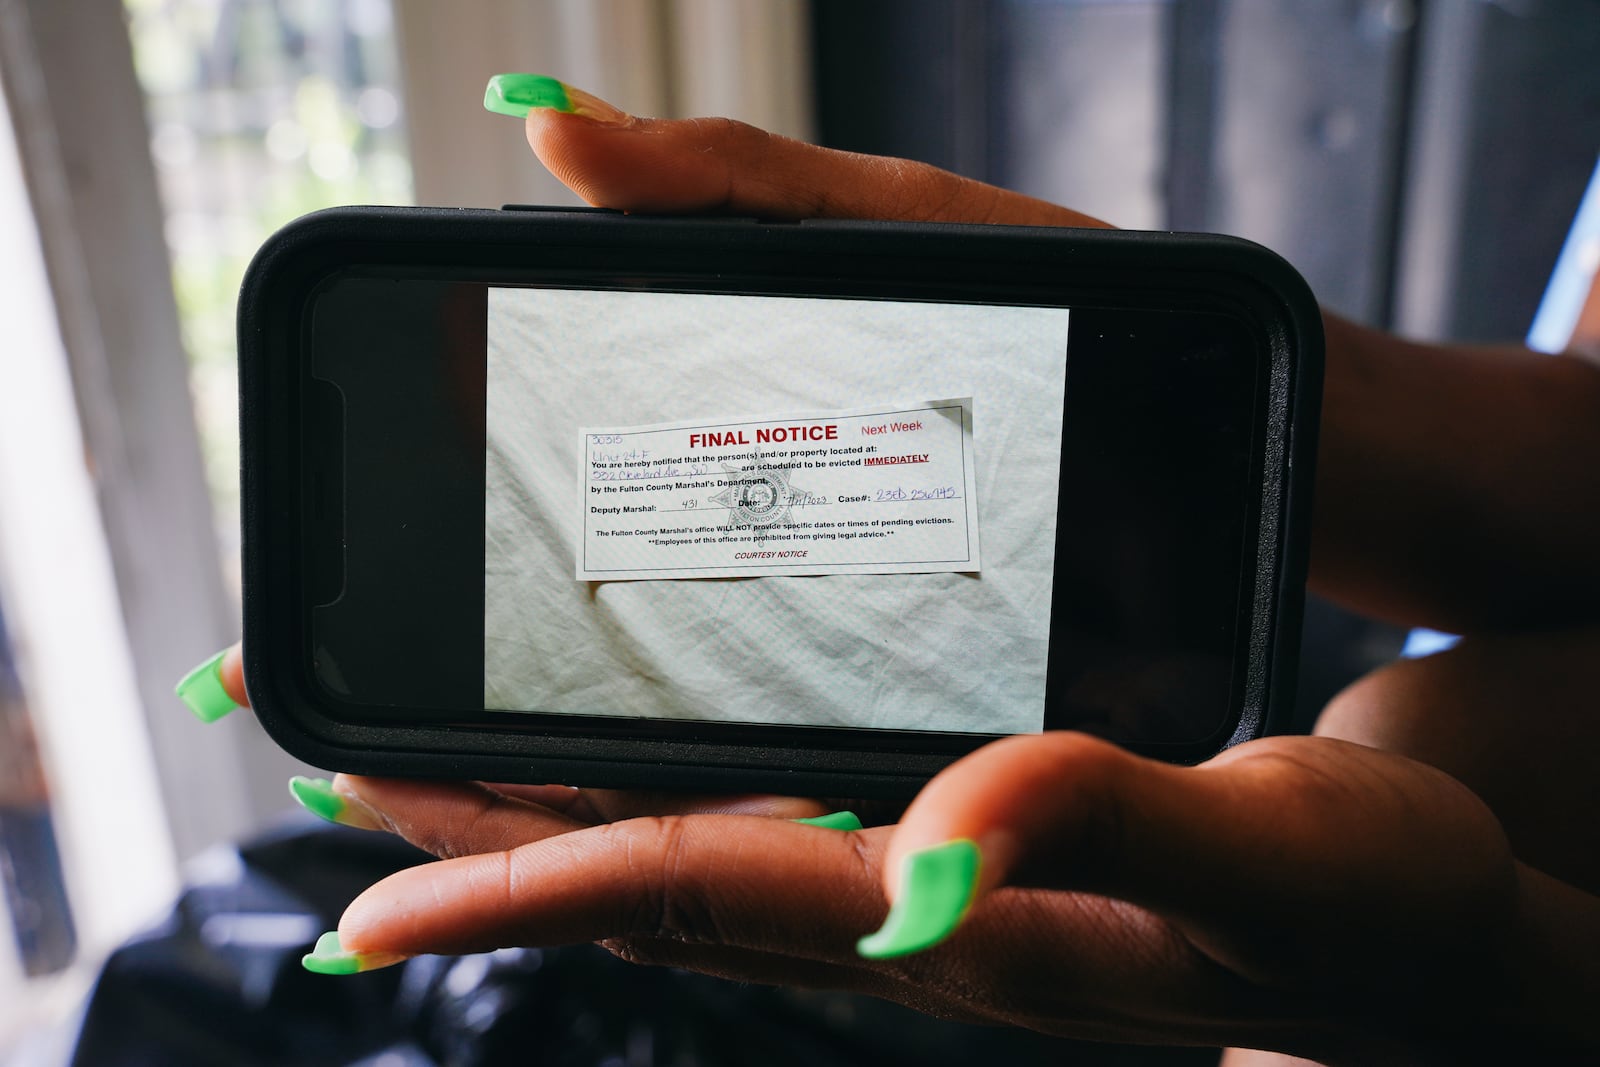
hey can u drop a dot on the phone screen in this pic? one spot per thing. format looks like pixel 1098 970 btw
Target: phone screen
pixel 839 438
pixel 743 511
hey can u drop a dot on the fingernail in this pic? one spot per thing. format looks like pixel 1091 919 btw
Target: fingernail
pixel 834 820
pixel 318 796
pixel 518 94
pixel 937 885
pixel 330 957
pixel 202 690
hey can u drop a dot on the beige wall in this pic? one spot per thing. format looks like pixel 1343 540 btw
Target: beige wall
pixel 749 59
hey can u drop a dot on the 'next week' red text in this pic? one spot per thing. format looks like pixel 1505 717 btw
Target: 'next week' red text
pixel 892 427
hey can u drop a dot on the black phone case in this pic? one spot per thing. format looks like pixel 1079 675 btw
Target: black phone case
pixel 1123 268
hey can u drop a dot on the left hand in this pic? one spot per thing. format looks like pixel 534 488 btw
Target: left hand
pixel 1287 891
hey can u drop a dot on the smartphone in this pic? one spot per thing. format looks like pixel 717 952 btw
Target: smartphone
pixel 539 495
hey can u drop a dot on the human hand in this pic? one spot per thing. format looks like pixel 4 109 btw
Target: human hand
pixel 1302 894
pixel 1416 522
pixel 1297 894
pixel 721 166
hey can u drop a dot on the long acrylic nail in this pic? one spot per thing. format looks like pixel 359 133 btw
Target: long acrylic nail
pixel 518 94
pixel 202 690
pixel 834 820
pixel 331 957
pixel 937 886
pixel 318 796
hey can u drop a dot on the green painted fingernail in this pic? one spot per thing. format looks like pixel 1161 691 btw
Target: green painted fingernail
pixel 317 796
pixel 834 820
pixel 202 690
pixel 330 957
pixel 518 94
pixel 937 885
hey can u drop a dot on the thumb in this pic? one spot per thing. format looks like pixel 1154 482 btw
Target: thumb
pixel 616 160
pixel 1308 837
pixel 230 672
pixel 978 824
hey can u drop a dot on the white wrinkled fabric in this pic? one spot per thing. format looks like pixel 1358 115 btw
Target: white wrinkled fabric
pixel 959 652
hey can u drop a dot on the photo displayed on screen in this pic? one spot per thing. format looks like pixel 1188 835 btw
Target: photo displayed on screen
pixel 774 510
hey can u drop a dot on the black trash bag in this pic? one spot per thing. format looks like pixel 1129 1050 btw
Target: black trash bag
pixel 220 983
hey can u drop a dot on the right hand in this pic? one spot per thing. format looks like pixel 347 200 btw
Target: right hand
pixel 1288 894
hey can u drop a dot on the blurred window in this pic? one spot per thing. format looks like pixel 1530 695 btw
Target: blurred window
pixel 259 111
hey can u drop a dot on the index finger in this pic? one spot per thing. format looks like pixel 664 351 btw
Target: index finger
pixel 724 879
pixel 721 166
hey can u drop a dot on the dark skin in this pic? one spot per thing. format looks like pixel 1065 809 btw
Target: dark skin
pixel 1414 885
